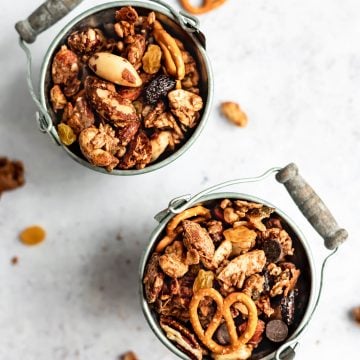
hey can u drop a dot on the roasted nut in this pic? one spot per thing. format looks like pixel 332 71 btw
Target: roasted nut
pixel 66 134
pixel 152 59
pixel 114 68
pixel 172 55
pixel 185 106
pixel 172 262
pixel 243 353
pixel 128 131
pixel 153 279
pixel 257 337
pixel 126 13
pixel 254 286
pixel 281 236
pixel 356 314
pixel 182 337
pixel 138 154
pixel 159 142
pixel 109 104
pixel 256 215
pixel 80 116
pixel 99 146
pixel 86 42
pixel 128 356
pixel 197 238
pixel 233 113
pixel 65 66
pixel 57 98
pixel 135 49
pixel 11 174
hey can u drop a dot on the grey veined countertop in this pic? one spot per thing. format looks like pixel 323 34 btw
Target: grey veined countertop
pixel 294 66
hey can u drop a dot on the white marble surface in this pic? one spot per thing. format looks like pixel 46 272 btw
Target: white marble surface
pixel 295 68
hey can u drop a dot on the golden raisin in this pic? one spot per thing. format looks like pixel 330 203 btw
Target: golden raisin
pixel 152 59
pixel 66 134
pixel 32 235
pixel 233 112
pixel 204 280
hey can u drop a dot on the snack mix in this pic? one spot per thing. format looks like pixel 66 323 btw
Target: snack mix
pixel 126 94
pixel 221 280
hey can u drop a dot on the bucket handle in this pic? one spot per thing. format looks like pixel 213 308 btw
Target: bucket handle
pixel 304 196
pixel 46 15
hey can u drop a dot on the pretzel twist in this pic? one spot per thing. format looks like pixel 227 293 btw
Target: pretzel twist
pixel 223 311
pixel 171 229
pixel 206 6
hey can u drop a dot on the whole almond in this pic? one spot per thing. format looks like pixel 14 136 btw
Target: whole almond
pixel 114 68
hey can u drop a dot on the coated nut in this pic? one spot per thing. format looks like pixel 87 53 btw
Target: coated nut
pixel 114 68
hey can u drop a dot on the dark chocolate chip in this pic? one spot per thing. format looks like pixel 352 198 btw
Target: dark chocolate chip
pixel 272 249
pixel 276 331
pixel 222 335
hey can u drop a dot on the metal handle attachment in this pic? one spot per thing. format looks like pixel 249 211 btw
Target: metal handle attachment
pixel 312 207
pixel 43 17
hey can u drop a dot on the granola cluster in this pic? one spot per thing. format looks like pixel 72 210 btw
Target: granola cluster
pixel 125 94
pixel 227 257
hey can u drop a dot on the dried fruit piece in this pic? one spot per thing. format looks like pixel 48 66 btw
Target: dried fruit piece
pixel 114 68
pixel 32 235
pixel 276 331
pixel 233 113
pixel 66 134
pixel 11 174
pixel 152 59
pixel 159 87
pixel 204 280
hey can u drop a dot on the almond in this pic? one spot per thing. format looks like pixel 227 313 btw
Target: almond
pixel 114 68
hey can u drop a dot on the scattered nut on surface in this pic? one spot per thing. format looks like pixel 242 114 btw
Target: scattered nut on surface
pixel 233 113
pixel 32 235
pixel 356 314
pixel 130 355
pixel 11 174
pixel 14 260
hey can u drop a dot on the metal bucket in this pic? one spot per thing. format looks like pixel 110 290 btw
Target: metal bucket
pixel 182 25
pixel 316 213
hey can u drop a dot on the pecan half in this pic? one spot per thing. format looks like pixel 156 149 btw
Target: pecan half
pixel 182 337
pixel 65 66
pixel 153 279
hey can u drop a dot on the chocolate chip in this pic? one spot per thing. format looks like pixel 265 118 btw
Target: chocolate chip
pixel 272 249
pixel 222 335
pixel 276 330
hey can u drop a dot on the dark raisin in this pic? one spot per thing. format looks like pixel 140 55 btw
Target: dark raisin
pixel 159 87
pixel 288 308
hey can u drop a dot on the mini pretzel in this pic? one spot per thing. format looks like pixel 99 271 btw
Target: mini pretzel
pixel 173 59
pixel 223 311
pixel 176 220
pixel 206 6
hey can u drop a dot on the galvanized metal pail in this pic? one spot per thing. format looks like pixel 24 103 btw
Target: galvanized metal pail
pixel 315 211
pixel 182 25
